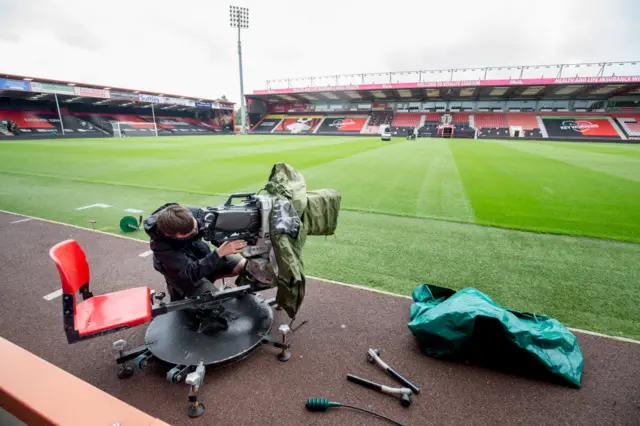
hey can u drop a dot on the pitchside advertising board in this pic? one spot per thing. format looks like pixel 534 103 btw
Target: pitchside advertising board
pixel 579 127
pixel 7 84
pixel 92 93
pixel 52 88
pixel 116 94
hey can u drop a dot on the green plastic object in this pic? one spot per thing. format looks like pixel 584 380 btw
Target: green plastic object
pixel 129 224
pixel 320 404
pixel 468 326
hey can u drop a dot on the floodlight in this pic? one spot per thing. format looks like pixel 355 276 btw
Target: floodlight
pixel 239 18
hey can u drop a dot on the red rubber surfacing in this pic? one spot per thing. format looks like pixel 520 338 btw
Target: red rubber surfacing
pixel 262 390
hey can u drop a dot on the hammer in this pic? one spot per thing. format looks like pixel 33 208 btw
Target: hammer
pixel 373 355
pixel 403 393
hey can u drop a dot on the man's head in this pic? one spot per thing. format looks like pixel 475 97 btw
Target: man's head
pixel 177 222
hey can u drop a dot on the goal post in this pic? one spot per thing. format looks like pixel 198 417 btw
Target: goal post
pixel 122 129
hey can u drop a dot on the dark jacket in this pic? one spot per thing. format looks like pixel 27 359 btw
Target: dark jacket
pixel 184 263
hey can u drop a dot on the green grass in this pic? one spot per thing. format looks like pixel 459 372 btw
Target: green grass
pixel 412 210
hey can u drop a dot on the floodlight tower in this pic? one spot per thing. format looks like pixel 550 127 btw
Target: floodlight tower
pixel 239 18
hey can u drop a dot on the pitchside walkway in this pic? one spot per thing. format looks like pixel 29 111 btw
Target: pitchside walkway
pixel 343 323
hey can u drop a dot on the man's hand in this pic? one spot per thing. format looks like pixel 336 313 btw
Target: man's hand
pixel 231 247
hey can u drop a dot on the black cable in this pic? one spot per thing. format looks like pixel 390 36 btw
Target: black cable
pixel 371 412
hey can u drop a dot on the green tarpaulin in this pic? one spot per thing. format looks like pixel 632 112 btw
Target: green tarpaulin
pixel 468 326
pixel 318 211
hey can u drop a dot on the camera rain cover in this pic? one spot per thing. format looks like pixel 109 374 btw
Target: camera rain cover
pixel 284 219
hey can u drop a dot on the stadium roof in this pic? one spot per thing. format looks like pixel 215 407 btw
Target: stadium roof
pixel 35 88
pixel 589 82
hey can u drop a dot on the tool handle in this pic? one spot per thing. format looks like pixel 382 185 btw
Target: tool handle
pixel 364 382
pixel 404 381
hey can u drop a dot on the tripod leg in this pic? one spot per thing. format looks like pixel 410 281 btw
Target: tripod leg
pixel 195 380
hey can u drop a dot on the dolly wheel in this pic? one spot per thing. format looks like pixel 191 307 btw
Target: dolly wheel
pixel 141 361
pixel 173 376
pixel 125 372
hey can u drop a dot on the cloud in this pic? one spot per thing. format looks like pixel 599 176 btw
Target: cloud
pixel 76 34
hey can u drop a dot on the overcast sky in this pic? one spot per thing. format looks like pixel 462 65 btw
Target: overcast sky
pixel 187 47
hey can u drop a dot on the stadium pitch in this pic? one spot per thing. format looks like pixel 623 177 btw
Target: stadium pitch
pixel 543 227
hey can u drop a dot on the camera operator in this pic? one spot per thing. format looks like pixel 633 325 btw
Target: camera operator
pixel 187 263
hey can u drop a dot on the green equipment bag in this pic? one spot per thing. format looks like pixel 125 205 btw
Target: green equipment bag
pixel 321 216
pixel 468 326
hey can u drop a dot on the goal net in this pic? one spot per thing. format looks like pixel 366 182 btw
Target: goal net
pixel 123 129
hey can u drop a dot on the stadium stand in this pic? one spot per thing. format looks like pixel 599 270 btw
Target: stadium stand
pixel 380 118
pixel 406 120
pixel 523 124
pixel 490 121
pixel 525 120
pixel 629 123
pixel 377 119
pixel 432 117
pixel 607 108
pixel 461 118
pixel 542 105
pixel 41 108
pixel 430 127
pixel 42 121
pixel 491 125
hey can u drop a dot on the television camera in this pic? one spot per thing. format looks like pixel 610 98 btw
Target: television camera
pixel 248 221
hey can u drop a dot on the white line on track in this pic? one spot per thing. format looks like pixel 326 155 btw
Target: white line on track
pixel 101 205
pixel 577 330
pixel 21 220
pixel 145 253
pixel 53 295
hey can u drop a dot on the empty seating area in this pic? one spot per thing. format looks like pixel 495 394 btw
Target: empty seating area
pixel 43 123
pixel 461 118
pixel 406 119
pixel 490 121
pixel 525 120
pixel 432 117
pixel 629 125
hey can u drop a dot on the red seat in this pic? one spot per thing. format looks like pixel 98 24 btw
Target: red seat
pixel 127 307
pixel 94 315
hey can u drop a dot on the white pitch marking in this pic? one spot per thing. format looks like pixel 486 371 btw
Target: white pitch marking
pixel 146 253
pixel 53 295
pixel 104 206
pixel 21 220
pixel 133 210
